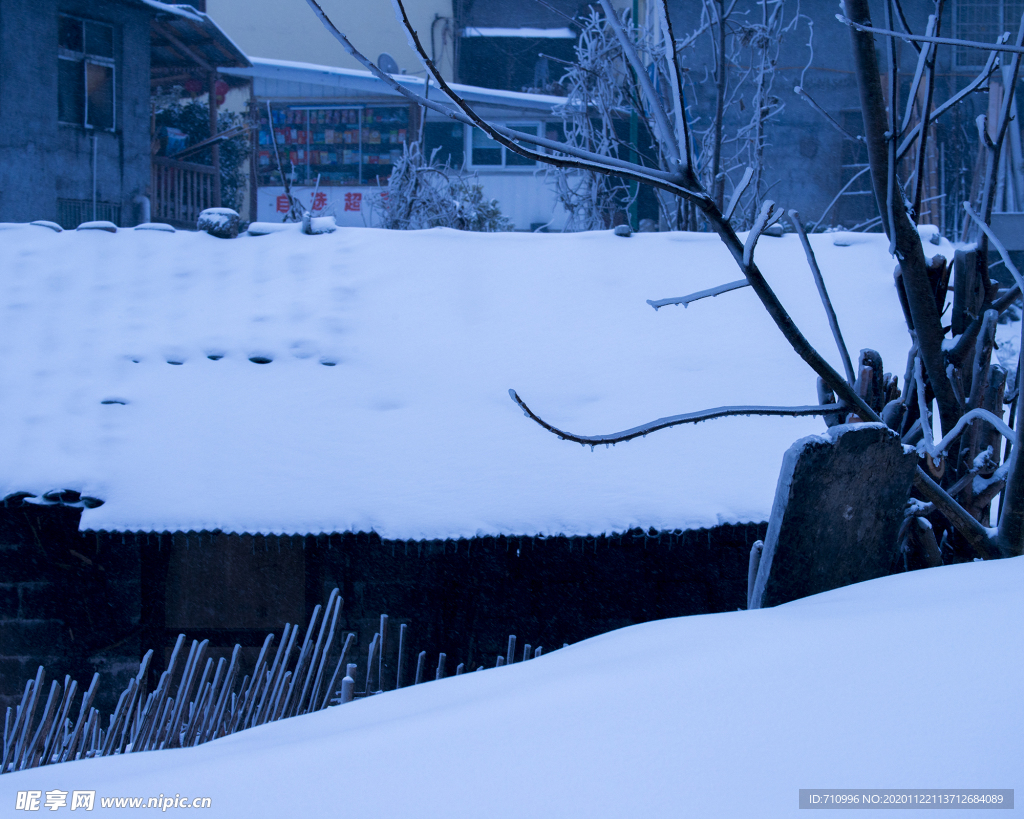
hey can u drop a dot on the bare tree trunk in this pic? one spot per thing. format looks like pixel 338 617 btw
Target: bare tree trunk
pixel 901 231
pixel 717 181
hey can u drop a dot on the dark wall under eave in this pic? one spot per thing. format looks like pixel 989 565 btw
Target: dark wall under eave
pixel 84 601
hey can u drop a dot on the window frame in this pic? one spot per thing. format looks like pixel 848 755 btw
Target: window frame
pixel 976 57
pixel 85 59
pixel 504 167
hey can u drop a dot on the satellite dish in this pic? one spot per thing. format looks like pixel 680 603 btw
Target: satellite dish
pixel 387 64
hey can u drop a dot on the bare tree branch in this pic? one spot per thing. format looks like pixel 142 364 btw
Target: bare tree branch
pixel 676 82
pixel 990 418
pixel 652 99
pixel 970 88
pixel 734 200
pixel 700 294
pixel 920 38
pixel 800 92
pixel 768 215
pixel 826 302
pixel 673 420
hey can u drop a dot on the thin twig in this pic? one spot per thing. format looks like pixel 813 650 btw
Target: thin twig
pixel 700 294
pixel 826 302
pixel 674 420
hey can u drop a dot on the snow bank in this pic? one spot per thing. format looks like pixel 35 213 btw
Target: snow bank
pixel 129 375
pixel 909 681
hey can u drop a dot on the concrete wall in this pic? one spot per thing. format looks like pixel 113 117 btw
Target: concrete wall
pixel 41 160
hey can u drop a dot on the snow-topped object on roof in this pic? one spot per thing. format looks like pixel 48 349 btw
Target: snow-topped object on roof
pixel 358 380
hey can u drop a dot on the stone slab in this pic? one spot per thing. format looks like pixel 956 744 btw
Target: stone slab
pixel 838 507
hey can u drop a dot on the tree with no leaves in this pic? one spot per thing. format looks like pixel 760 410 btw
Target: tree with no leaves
pixel 969 466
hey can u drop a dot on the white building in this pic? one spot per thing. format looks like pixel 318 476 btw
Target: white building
pixel 346 128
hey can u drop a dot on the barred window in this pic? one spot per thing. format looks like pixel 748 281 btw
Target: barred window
pixel 85 73
pixel 983 21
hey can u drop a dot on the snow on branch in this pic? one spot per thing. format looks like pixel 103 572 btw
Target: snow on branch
pixel 674 420
pixel 826 302
pixel 800 92
pixel 998 245
pixel 748 174
pixel 978 413
pixel 768 216
pixel 924 38
pixel 652 99
pixel 700 294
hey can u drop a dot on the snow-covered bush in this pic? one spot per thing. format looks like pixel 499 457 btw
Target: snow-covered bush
pixel 422 193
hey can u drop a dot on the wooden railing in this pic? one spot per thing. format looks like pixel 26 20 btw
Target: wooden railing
pixel 180 191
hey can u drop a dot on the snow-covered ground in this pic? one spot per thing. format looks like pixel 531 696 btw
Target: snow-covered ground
pixel 909 681
pixel 409 430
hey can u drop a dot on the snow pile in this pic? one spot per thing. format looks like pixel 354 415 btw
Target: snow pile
pixel 909 681
pixel 358 380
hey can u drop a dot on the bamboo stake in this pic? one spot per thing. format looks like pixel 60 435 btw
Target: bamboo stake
pixel 439 674
pixel 29 759
pixel 11 744
pixel 116 717
pixel 215 699
pixel 374 645
pixel 70 687
pixel 305 657
pixel 381 649
pixel 421 661
pixel 275 711
pixel 401 654
pixel 146 730
pixel 254 685
pixel 330 687
pixel 315 656
pixel 77 734
pixel 317 684
pixel 277 675
pixel 173 736
pixel 213 729
pixel 26 725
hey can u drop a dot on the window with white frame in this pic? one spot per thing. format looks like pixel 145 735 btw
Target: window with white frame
pixel 85 73
pixel 485 152
pixel 983 21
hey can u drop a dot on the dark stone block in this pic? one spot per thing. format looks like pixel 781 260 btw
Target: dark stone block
pixel 38 601
pixel 35 638
pixel 8 601
pixel 838 508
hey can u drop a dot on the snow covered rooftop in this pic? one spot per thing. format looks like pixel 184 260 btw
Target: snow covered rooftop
pixel 130 372
pixel 363 82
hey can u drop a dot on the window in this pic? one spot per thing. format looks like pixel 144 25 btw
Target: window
pixel 983 21
pixel 335 144
pixel 85 73
pixel 487 153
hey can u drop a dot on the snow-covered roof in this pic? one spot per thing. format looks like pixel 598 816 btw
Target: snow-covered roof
pixel 182 10
pixel 526 33
pixel 349 79
pixel 128 373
